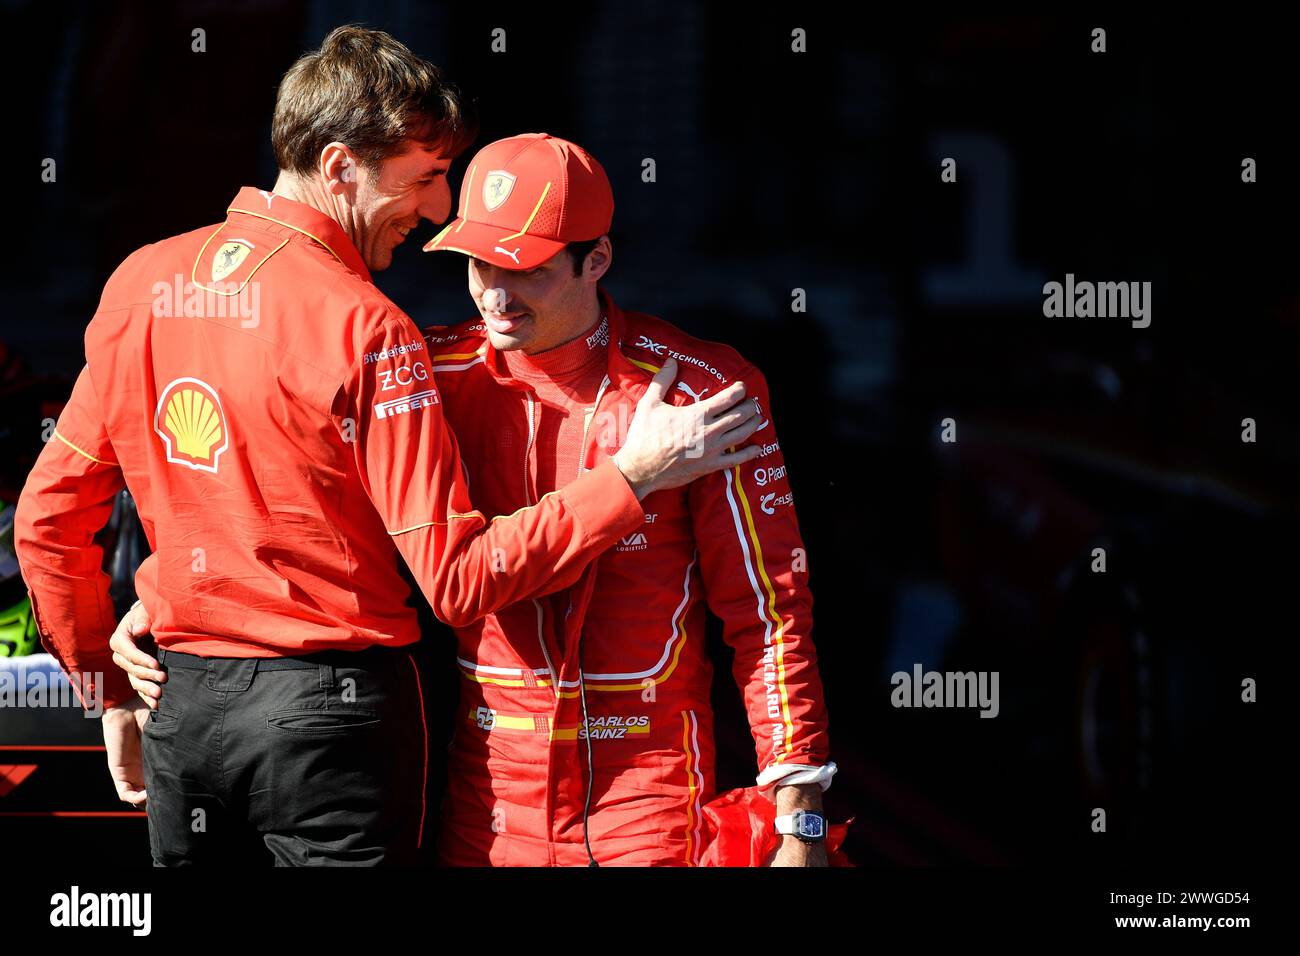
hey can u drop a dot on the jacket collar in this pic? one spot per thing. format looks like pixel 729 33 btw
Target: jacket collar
pixel 627 376
pixel 263 204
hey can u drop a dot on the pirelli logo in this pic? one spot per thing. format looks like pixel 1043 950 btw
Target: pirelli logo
pixel 410 403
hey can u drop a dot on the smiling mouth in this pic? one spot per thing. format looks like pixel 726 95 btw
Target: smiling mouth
pixel 504 323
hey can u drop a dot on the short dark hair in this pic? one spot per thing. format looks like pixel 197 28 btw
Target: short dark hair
pixel 367 90
pixel 580 251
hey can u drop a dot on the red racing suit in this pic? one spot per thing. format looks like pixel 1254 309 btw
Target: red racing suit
pixel 274 417
pixel 517 773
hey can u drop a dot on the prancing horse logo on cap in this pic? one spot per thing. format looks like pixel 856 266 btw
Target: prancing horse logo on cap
pixel 496 188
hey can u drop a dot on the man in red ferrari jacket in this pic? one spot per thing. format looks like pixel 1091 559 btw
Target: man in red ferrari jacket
pixel 278 422
pixel 584 729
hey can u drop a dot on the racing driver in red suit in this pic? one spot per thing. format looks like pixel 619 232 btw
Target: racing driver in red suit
pixel 584 730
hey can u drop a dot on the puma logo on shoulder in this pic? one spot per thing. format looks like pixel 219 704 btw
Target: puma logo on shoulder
pixel 691 392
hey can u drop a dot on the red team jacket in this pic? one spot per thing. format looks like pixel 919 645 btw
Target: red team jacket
pixel 275 419
pixel 516 780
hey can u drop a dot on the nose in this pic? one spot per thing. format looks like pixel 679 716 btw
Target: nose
pixel 435 204
pixel 493 277
pixel 496 300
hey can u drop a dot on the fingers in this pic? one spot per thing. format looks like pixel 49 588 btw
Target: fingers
pixel 738 436
pixel 661 383
pixel 726 398
pixel 733 428
pixel 737 416
pixel 730 459
pixel 148 691
pixel 137 620
pixel 133 660
pixel 127 793
pixel 139 665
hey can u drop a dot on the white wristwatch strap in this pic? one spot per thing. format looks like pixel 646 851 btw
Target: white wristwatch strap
pixel 785 823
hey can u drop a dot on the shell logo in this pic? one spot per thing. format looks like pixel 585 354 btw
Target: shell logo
pixel 192 425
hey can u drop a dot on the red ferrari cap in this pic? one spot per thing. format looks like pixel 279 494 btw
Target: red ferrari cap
pixel 524 198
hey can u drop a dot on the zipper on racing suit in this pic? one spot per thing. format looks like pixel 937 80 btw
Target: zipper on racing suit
pixel 531 404
pixel 589 575
pixel 528 500
pixel 556 674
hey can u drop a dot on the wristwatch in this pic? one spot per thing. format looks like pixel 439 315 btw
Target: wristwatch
pixel 806 825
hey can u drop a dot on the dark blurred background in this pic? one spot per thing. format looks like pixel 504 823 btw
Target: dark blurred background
pixel 821 171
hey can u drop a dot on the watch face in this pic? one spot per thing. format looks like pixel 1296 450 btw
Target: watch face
pixel 809 826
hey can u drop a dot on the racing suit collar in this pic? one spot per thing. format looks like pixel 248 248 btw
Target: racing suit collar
pixel 630 377
pixel 262 204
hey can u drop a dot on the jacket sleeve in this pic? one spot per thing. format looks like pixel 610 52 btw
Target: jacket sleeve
pixel 466 565
pixel 755 576
pixel 67 500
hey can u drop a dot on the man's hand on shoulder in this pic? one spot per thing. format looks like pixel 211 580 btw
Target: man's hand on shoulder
pixel 669 445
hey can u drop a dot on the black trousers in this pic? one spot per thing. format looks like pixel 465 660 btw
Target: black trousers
pixel 316 760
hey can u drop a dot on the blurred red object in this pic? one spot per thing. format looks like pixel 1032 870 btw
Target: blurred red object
pixel 740 827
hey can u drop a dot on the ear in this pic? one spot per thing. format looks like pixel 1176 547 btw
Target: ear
pixel 599 259
pixel 338 168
